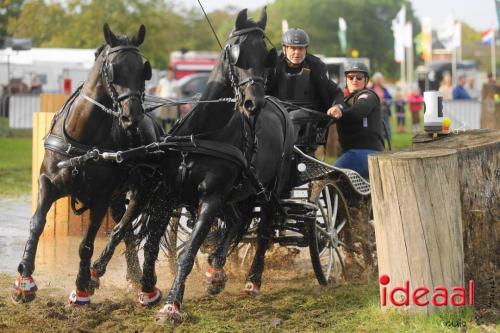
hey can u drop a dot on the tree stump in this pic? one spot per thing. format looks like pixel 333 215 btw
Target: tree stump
pixel 478 154
pixel 417 213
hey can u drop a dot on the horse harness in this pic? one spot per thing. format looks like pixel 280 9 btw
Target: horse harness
pixel 66 145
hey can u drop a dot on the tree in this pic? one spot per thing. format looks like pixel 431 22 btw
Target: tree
pixel 8 9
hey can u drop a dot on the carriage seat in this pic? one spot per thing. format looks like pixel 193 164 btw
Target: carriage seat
pixel 311 127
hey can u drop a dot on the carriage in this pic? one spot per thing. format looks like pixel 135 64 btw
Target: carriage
pixel 316 214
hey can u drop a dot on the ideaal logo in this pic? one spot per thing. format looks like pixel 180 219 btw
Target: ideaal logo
pixel 440 296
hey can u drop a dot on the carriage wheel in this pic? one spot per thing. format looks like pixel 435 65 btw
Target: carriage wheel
pixel 177 234
pixel 325 236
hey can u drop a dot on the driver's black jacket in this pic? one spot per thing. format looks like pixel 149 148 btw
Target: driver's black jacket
pixel 326 92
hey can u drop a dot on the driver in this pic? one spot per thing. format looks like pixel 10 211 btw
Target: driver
pixel 300 78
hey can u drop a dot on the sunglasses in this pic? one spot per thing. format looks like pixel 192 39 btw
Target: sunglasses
pixel 358 77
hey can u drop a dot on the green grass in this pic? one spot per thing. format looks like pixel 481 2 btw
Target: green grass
pixel 302 306
pixel 15 166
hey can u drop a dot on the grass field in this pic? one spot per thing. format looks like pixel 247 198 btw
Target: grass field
pixel 15 166
pixel 302 306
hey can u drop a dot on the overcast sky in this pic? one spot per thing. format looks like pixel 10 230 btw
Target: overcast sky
pixel 480 14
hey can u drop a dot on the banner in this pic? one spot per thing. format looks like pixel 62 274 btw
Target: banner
pixel 398 29
pixel 426 41
pixel 284 26
pixel 408 35
pixel 342 35
pixel 497 2
pixel 449 33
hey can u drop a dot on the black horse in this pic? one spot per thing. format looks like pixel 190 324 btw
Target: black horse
pixel 106 113
pixel 217 184
pixel 222 157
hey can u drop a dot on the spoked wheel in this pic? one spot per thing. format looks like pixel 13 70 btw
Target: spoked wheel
pixel 178 233
pixel 326 235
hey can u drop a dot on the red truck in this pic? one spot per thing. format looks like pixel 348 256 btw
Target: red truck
pixel 192 62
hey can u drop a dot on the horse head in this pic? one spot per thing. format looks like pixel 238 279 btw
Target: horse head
pixel 247 59
pixel 123 75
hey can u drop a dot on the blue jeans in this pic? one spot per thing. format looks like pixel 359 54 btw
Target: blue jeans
pixel 355 159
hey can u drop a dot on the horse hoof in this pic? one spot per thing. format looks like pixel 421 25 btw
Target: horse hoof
pixel 94 283
pixel 23 290
pixel 79 298
pixel 149 299
pixel 216 280
pixel 251 289
pixel 169 314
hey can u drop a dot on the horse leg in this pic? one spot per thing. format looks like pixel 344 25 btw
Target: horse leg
pixel 24 289
pixel 171 311
pixel 264 232
pixel 118 208
pixel 81 295
pixel 121 230
pixel 215 275
pixel 150 295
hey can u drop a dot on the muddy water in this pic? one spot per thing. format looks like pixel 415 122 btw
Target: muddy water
pixel 57 260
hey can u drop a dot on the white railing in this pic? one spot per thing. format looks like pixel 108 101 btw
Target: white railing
pixel 464 115
pixel 21 109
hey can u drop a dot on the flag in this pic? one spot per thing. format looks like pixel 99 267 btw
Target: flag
pixel 487 37
pixel 449 33
pixel 457 35
pixel 342 35
pixel 426 39
pixel 284 26
pixel 398 28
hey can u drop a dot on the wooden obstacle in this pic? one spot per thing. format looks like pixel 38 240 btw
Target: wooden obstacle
pixel 437 216
pixel 61 221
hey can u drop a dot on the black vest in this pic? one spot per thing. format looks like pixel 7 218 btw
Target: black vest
pixel 297 88
pixel 364 133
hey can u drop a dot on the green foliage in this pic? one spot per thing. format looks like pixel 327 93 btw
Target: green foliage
pixel 15 166
pixel 171 26
pixel 9 8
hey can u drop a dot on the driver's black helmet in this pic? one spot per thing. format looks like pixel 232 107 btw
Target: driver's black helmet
pixel 295 37
pixel 357 67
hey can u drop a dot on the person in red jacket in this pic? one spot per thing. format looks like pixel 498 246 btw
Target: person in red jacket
pixel 415 100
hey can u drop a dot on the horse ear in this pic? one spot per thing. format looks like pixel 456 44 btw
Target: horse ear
pixel 139 38
pixel 272 58
pixel 263 18
pixel 241 20
pixel 109 36
pixel 146 71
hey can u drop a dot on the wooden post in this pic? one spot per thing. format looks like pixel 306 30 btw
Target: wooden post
pixel 478 154
pixel 417 212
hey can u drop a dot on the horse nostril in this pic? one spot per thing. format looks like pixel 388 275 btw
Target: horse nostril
pixel 249 105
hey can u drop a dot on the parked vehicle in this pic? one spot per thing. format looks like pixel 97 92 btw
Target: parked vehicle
pixel 190 86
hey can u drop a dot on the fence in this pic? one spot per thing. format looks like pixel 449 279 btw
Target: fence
pixel 464 115
pixel 21 110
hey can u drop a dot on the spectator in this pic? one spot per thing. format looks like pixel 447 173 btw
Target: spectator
pixel 385 101
pixel 416 101
pixel 166 89
pixel 399 108
pixel 491 81
pixel 459 91
pixel 445 87
pixel 471 88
